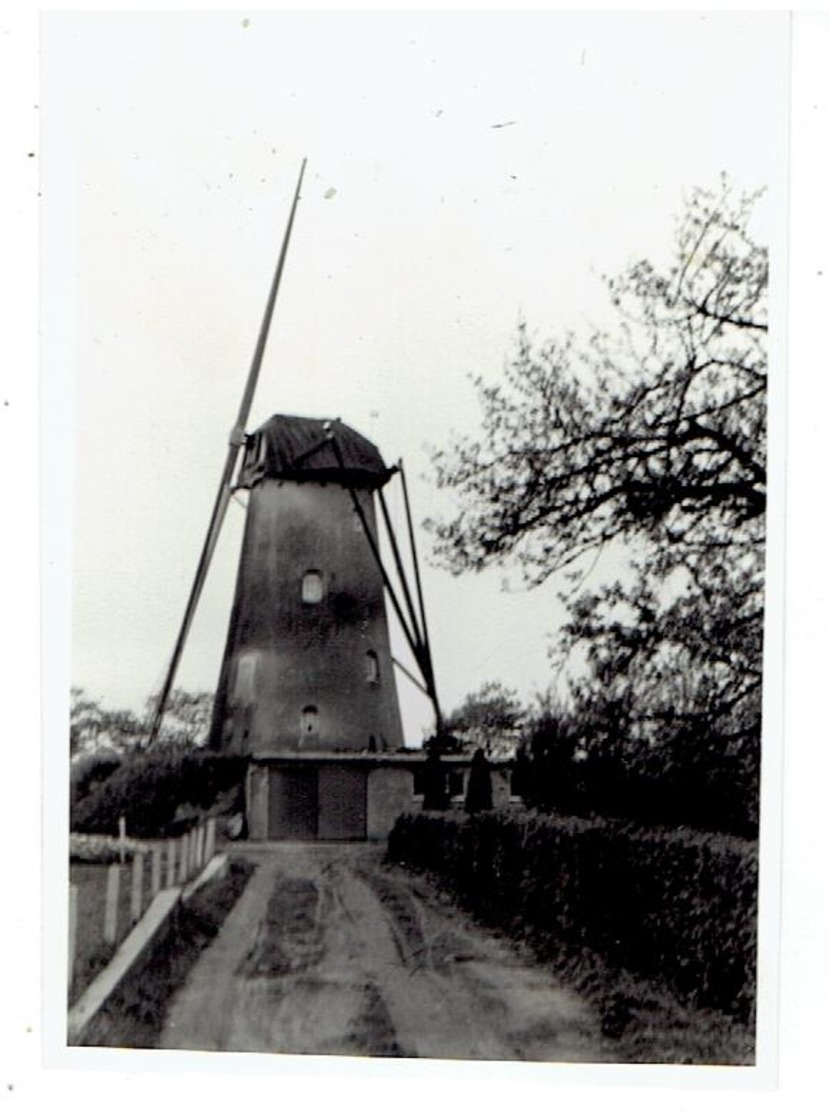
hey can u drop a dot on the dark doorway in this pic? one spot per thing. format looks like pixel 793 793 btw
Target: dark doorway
pixel 293 798
pixel 342 803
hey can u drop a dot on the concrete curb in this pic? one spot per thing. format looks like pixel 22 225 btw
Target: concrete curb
pixel 134 948
pixel 216 868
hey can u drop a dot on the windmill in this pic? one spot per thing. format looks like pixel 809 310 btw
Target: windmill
pixel 308 669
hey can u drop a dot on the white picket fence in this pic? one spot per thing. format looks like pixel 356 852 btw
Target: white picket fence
pixel 156 866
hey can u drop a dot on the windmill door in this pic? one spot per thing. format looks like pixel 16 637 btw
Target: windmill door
pixel 342 803
pixel 293 799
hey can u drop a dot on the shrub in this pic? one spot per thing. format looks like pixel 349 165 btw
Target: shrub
pixel 479 786
pixel 161 793
pixel 435 788
pixel 677 906
pixel 90 770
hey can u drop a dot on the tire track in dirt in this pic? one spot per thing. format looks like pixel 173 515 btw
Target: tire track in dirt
pixel 330 951
pixel 457 992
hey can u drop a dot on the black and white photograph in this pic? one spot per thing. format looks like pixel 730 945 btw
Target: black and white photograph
pixel 413 396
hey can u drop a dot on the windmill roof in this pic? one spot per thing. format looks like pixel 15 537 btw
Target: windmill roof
pixel 291 447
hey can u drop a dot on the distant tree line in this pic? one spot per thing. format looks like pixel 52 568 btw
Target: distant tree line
pixel 94 728
pixel 577 763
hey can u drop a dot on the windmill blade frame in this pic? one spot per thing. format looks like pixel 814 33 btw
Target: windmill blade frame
pixel 223 496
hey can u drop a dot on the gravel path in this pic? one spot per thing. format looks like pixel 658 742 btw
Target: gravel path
pixel 330 951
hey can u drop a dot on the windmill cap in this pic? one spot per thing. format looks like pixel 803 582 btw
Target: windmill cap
pixel 321 450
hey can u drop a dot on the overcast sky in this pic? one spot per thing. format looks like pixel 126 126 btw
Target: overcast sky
pixel 464 170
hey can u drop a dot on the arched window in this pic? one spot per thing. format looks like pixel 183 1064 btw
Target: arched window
pixel 372 668
pixel 312 586
pixel 309 724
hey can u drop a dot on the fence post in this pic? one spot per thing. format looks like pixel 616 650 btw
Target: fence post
pixel 210 839
pixel 73 934
pixel 171 863
pixel 111 903
pixel 122 838
pixel 137 885
pixel 200 847
pixel 194 851
pixel 155 883
pixel 182 862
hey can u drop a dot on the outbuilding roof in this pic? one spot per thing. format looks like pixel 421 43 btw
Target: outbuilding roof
pixel 317 449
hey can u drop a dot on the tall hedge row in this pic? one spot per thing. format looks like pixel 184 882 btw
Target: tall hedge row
pixel 159 793
pixel 678 906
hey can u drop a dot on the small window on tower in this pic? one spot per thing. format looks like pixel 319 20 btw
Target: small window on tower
pixel 245 677
pixel 312 586
pixel 310 720
pixel 372 668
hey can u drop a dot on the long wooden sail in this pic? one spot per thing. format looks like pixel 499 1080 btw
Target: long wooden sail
pixel 236 440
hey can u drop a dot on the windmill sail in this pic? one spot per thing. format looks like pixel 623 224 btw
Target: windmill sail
pixel 223 495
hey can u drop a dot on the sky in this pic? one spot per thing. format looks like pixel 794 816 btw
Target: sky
pixel 465 171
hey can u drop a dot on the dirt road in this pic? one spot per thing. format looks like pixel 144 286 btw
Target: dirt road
pixel 329 951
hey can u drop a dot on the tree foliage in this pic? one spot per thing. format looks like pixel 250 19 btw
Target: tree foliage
pixel 94 728
pixel 488 718
pixel 646 441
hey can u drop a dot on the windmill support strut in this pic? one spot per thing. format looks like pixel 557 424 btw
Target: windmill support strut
pixel 419 588
pixel 418 646
pixel 411 638
pixel 400 571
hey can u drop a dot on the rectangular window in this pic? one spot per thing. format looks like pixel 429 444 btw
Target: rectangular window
pixel 245 677
pixel 309 723
pixel 312 587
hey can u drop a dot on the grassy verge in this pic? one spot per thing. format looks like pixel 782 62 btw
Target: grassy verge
pixel 134 1016
pixel 643 1021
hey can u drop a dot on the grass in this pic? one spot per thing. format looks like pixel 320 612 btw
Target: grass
pixel 643 1022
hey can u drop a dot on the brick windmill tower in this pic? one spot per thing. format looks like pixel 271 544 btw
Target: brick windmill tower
pixel 307 689
pixel 308 665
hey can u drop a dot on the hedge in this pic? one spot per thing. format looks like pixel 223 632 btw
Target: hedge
pixel 676 906
pixel 90 771
pixel 162 793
